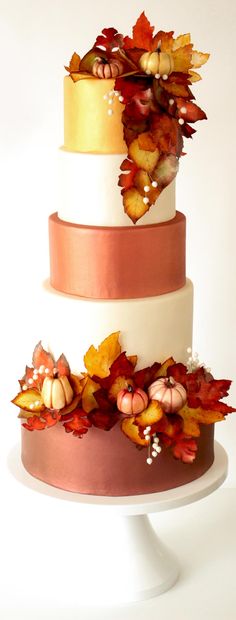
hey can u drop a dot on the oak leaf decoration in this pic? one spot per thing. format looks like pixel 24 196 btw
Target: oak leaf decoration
pixel 98 361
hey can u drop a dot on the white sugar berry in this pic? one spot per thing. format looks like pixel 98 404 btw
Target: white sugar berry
pixel 146 200
pixel 37 403
pixel 41 369
pixel 146 188
pixel 171 101
pixel 46 371
pixel 30 381
pixel 157 76
pixel 35 377
pixel 105 97
pixel 24 387
pixel 149 460
pixel 147 437
pixel 148 428
pixel 181 121
pixel 154 454
pixel 154 184
pixel 31 405
pixel 110 112
pixel 165 76
pixel 189 350
pixel 183 110
pixel 121 99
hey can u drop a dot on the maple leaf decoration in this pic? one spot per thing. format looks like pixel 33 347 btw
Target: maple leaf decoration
pixel 95 393
pixel 154 84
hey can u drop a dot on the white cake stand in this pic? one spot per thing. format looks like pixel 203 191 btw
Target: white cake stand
pixel 129 562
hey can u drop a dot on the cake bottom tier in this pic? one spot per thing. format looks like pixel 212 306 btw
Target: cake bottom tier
pixel 107 463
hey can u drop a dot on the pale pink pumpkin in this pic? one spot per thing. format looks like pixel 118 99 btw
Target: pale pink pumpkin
pixel 170 394
pixel 132 401
pixel 107 69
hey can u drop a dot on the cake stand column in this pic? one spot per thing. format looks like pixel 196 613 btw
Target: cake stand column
pixel 140 564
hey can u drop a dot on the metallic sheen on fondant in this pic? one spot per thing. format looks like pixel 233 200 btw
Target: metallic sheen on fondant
pixel 88 127
pixel 117 263
pixel 107 463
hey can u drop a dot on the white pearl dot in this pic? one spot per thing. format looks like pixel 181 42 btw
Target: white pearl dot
pixel 189 350
pixel 145 432
pixel 149 460
pixel 105 97
pixel 146 200
pixel 35 377
pixel 146 188
pixel 41 370
pixel 171 101
pixel 37 403
pixel 30 381
pixel 110 112
pixel 147 437
pixel 155 447
pixel 156 440
pixel 181 121
pixel 148 428
pixel 35 371
pixel 117 93
pixel 47 371
pixel 154 184
pixel 183 110
pixel 31 405
pixel 154 454
pixel 121 99
pixel 110 101
pixel 111 93
pixel 165 76
pixel 148 72
pixel 24 387
pixel 157 76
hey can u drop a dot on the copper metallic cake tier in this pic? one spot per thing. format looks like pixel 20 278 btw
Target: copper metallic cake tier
pixel 118 262
pixel 107 463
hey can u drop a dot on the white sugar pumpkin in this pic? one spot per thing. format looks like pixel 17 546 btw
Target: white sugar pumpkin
pixel 170 394
pixel 56 392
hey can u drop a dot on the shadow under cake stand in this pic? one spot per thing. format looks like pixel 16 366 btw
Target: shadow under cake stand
pixel 130 563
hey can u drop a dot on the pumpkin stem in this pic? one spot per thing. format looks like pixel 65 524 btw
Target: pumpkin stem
pixel 130 388
pixel 170 383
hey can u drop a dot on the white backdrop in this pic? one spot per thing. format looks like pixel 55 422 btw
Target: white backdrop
pixel 36 40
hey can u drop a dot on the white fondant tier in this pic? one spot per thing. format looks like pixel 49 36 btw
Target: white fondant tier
pixel 153 328
pixel 89 194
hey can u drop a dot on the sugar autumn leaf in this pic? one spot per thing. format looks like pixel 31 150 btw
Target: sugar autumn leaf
pixel 98 361
pixel 142 35
pixel 74 63
pixel 185 449
pixel 110 39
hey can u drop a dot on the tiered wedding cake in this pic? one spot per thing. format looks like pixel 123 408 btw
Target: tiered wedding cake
pixel 118 281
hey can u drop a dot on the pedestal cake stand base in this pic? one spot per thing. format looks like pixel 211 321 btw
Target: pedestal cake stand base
pixel 123 559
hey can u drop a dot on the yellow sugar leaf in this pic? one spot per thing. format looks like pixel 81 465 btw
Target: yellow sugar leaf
pixel 192 417
pixel 146 160
pixel 74 63
pixel 77 383
pixel 98 361
pixel 120 383
pixel 30 400
pixel 199 59
pixel 88 401
pixel 131 431
pixel 162 372
pixel 194 77
pixel 151 415
pixel 181 41
pixel 134 205
pixel 141 180
pixel 69 408
pixel 182 58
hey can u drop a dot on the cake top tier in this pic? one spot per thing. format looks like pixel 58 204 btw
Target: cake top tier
pixel 142 83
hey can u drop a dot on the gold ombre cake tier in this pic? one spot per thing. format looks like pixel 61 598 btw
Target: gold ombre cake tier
pixel 92 117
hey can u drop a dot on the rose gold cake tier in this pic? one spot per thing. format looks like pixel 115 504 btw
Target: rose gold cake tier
pixel 118 262
pixel 107 463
